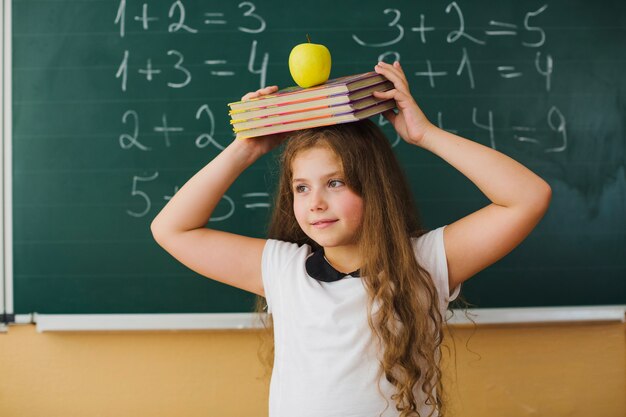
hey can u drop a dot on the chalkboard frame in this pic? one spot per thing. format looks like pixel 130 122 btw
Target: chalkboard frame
pixel 191 321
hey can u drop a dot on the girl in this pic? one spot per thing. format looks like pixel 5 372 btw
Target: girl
pixel 356 290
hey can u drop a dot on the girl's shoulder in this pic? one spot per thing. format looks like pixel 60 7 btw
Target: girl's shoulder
pixel 430 253
pixel 428 242
pixel 279 252
pixel 281 259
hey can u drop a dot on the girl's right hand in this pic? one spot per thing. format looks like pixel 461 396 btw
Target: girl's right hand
pixel 261 145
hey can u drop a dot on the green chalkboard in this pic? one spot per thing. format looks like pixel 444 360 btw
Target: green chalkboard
pixel 118 103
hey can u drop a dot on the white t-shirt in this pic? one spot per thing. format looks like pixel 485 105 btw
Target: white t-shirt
pixel 325 362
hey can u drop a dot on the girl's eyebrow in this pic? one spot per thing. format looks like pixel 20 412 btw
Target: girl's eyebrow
pixel 332 174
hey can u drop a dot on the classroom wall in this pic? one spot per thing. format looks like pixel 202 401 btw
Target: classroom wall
pixel 574 370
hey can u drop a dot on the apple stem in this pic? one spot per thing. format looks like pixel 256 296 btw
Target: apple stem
pixel 307 38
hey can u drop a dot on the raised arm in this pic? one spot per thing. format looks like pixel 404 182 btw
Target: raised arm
pixel 180 228
pixel 519 198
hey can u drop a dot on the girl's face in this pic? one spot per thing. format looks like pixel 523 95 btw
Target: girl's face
pixel 326 209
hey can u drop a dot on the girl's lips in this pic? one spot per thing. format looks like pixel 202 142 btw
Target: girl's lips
pixel 322 224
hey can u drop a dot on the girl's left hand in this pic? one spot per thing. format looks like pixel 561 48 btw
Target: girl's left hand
pixel 410 122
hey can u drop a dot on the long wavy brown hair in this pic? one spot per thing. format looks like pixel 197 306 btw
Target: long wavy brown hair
pixel 408 323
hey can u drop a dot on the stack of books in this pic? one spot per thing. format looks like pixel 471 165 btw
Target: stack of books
pixel 340 100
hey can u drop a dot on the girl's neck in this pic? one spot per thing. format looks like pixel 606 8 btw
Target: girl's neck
pixel 344 259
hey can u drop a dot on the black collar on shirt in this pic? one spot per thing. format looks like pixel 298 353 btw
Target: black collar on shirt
pixel 318 267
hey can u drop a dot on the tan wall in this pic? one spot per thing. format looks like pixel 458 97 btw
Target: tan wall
pixel 565 370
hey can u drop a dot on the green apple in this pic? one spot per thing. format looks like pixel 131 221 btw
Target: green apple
pixel 309 64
